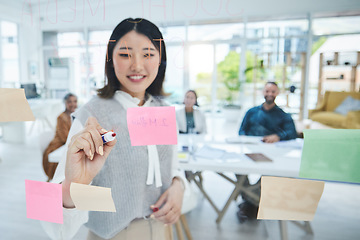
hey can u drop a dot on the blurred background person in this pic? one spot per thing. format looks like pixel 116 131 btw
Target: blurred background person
pixel 273 124
pixel 62 130
pixel 268 120
pixel 189 118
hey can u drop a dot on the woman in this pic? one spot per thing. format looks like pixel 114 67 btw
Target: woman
pixel 135 70
pixel 62 130
pixel 190 119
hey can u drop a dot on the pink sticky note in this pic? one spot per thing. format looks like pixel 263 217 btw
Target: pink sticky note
pixel 152 126
pixel 44 201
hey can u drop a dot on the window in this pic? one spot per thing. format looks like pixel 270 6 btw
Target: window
pixel 174 82
pixel 336 25
pixel 334 34
pixel 227 64
pixel 275 50
pixel 98 41
pixel 215 32
pixel 70 39
pixel 173 34
pixel 287 28
pixel 201 65
pixel 9 54
pixel 68 49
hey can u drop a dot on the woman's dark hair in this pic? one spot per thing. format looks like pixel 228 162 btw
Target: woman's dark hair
pixel 196 97
pixel 151 31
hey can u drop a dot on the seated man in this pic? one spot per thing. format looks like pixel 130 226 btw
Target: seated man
pixel 271 122
pixel 268 120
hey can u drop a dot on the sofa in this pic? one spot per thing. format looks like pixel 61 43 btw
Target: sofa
pixel 325 114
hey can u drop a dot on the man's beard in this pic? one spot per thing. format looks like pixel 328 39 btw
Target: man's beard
pixel 269 101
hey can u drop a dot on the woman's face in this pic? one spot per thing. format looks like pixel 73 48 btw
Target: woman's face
pixel 71 104
pixel 190 99
pixel 136 63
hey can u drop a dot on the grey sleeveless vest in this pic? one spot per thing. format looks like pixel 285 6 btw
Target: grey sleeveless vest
pixel 125 170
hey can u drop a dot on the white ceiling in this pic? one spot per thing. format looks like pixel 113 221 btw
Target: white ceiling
pixel 175 10
pixel 255 7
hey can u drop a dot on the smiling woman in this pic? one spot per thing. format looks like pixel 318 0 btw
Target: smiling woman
pixel 136 64
pixel 144 181
pixel 133 43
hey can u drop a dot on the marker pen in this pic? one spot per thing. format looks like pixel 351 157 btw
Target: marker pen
pixel 108 137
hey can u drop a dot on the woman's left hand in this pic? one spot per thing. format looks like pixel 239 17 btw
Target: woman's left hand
pixel 170 202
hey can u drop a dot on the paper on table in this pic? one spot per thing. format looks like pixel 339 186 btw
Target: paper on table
pixel 331 154
pixel 258 157
pixel 152 126
pixel 210 152
pixel 245 139
pixel 295 143
pixel 233 156
pixel 296 153
pixel 14 106
pixel 44 201
pixel 289 199
pixel 92 198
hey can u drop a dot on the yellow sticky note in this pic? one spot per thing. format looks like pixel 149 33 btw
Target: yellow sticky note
pixel 92 198
pixel 14 106
pixel 289 199
pixel 183 157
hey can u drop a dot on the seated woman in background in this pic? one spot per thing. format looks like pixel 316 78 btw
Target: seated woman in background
pixel 190 119
pixel 62 130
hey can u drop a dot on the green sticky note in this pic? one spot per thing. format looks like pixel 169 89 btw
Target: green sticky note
pixel 331 154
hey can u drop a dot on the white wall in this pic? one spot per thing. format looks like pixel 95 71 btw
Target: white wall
pixel 30 50
pixel 9 12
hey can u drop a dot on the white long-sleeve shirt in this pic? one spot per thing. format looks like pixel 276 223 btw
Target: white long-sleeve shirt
pixel 74 218
pixel 199 121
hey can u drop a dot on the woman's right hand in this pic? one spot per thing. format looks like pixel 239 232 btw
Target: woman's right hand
pixel 86 156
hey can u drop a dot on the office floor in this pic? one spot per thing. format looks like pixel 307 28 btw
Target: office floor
pixel 337 217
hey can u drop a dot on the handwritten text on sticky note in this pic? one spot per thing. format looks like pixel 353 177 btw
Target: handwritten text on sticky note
pixel 152 126
pixel 44 201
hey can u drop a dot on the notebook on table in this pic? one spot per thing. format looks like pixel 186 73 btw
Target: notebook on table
pixel 258 157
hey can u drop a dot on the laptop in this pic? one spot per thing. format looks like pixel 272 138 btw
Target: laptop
pixel 30 90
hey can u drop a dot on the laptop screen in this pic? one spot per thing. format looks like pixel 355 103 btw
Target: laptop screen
pixel 30 90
